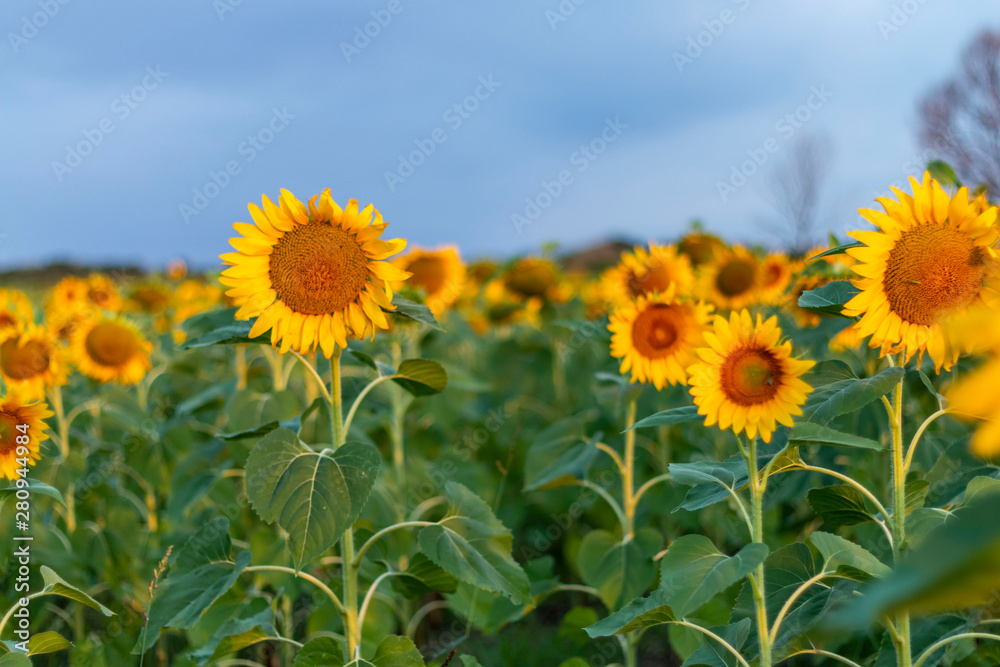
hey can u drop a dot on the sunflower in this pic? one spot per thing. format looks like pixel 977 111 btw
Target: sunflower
pixel 775 275
pixel 15 309
pixel 849 338
pixel 62 321
pixel 746 379
pixel 439 273
pixel 532 277
pixel 975 395
pixel 315 276
pixel 110 349
pixel 643 272
pixel 151 298
pixel 701 248
pixel 21 427
pixel 30 361
pixel 102 293
pixel 732 279
pixel 931 259
pixel 655 336
pixel 177 269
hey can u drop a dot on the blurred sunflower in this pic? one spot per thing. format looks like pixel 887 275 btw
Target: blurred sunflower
pixel 315 276
pixel 655 337
pixel 532 277
pixel 110 349
pixel 439 273
pixel 62 321
pixel 151 298
pixel 732 279
pixel 15 309
pixel 643 272
pixel 700 248
pixel 746 379
pixel 30 361
pixel 849 338
pixel 193 297
pixel 775 275
pixel 102 293
pixel 932 258
pixel 177 269
pixel 20 418
pixel 975 395
pixel 70 293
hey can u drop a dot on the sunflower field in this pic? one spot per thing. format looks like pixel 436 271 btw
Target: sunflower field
pixel 346 449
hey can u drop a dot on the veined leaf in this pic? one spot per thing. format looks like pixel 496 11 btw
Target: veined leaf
pixel 713 654
pixel 620 571
pixel 313 496
pixel 839 398
pixel 839 505
pixel 234 333
pixel 423 576
pixel 414 311
pixel 839 552
pixel 320 652
pixel 397 651
pixel 254 624
pixel 838 250
pixel 640 613
pixel 47 642
pixel 828 299
pixel 472 544
pixel 808 433
pixel 421 377
pixel 687 413
pixel 559 454
pixel 56 585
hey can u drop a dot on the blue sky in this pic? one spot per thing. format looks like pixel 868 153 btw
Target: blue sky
pixel 138 132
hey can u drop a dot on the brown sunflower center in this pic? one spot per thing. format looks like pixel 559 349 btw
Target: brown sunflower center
pixel 656 330
pixel 428 273
pixel 151 299
pixel 735 278
pixel 655 279
pixel 531 279
pixel 931 270
pixel 99 296
pixel 111 344
pixel 20 362
pixel 8 433
pixel 750 376
pixel 772 275
pixel 6 319
pixel 318 268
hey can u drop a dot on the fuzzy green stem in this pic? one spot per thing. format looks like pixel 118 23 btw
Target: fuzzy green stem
pixel 628 474
pixel 898 525
pixel 757 579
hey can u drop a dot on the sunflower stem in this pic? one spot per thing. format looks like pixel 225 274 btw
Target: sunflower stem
pixel 350 572
pixel 904 656
pixel 628 474
pixel 398 406
pixel 757 578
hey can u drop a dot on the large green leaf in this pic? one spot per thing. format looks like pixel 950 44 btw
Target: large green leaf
pixel 396 651
pixel 320 652
pixel 14 660
pixel 688 413
pixel 620 571
pixel 839 505
pixel 713 481
pixel 828 299
pixel 693 571
pixel 654 609
pixel 956 566
pixel 414 311
pixel 838 552
pixel 421 577
pixel 254 624
pixel 421 377
pixel 839 398
pixel 201 573
pixel 56 585
pixel 808 433
pixel 47 642
pixel 559 455
pixel 234 333
pixel 472 544
pixel 35 487
pixel 713 654
pixel 837 250
pixel 313 496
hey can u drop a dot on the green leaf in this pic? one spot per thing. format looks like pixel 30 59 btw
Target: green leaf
pixel 201 573
pixel 472 544
pixel 639 613
pixel 838 250
pixel 839 505
pixel 559 455
pixel 693 571
pixel 313 496
pixel 915 493
pixel 39 488
pixel 421 377
pixel 944 173
pixel 234 333
pixel 620 571
pixel 255 624
pixel 956 566
pixel 839 552
pixel 839 398
pixel 714 654
pixel 47 642
pixel 421 577
pixel 828 299
pixel 3 388
pixel 808 433
pixel 56 585
pixel 711 480
pixel 396 651
pixel 320 652
pixel 981 486
pixel 688 413
pixel 414 311
pixel 14 660
pixel 383 370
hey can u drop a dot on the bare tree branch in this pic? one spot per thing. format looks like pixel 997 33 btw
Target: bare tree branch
pixel 796 187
